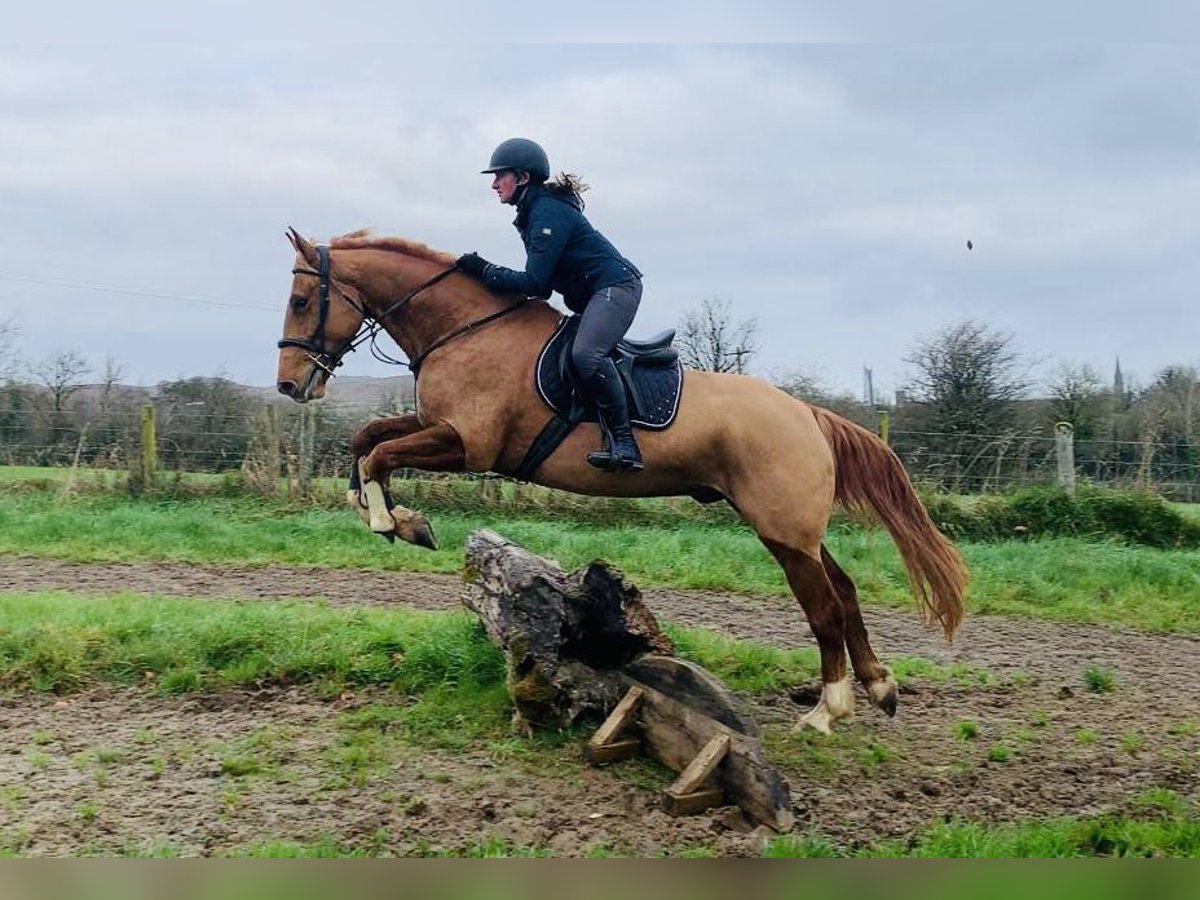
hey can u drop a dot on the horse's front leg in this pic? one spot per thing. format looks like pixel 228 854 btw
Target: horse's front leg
pixel 377 431
pixel 378 516
pixel 436 449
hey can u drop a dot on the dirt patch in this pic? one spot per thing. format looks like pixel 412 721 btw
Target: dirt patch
pixel 126 771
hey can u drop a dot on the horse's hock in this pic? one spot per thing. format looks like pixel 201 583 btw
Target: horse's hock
pixel 584 644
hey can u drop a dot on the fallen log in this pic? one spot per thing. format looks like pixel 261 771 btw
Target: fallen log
pixel 564 637
pixel 584 643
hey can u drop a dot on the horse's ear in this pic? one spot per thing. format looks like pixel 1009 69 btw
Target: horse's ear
pixel 303 247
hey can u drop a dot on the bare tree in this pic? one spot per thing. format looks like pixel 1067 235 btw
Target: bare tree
pixel 1078 396
pixel 1173 400
pixel 9 360
pixel 709 340
pixel 969 377
pixel 109 382
pixel 809 388
pixel 966 384
pixel 62 374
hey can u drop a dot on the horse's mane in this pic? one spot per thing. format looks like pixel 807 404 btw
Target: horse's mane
pixel 363 240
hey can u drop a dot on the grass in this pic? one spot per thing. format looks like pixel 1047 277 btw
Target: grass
pixel 1169 830
pixel 1100 680
pixel 966 730
pixel 1068 579
pixel 59 642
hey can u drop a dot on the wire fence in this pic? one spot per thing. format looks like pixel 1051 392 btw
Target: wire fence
pixel 314 442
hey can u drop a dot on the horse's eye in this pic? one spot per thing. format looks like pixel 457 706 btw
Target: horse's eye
pixel 299 304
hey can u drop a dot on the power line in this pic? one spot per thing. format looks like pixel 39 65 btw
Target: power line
pixel 133 292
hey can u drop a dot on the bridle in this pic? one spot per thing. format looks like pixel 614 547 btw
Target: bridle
pixel 328 360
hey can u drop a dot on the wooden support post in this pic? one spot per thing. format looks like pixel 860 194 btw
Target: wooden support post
pixel 1064 443
pixel 271 451
pixel 304 467
pixel 688 795
pixel 604 746
pixel 885 420
pixel 148 455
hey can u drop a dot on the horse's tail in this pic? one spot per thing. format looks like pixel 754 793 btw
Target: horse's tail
pixel 869 476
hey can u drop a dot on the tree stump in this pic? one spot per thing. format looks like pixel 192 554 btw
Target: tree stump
pixel 564 637
pixel 585 643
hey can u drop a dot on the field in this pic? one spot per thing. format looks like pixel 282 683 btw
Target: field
pixel 225 676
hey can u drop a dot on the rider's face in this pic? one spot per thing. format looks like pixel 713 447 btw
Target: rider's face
pixel 506 183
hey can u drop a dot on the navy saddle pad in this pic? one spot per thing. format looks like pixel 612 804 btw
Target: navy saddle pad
pixel 650 369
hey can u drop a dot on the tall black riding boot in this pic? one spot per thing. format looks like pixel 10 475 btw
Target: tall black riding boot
pixel 621 454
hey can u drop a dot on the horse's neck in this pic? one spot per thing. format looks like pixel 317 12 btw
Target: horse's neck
pixel 431 313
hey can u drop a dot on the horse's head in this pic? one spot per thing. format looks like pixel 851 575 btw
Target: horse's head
pixel 323 316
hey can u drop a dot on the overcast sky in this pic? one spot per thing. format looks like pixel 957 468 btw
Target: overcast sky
pixel 828 191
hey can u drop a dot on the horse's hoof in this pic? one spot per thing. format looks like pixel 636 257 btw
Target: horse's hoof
pixel 818 720
pixel 423 536
pixel 414 528
pixel 884 695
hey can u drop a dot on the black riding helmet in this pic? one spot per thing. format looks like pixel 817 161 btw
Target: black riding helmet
pixel 521 154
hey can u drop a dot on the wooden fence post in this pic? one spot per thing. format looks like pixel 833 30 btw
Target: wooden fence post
pixel 147 469
pixel 885 421
pixel 1064 445
pixel 271 450
pixel 308 427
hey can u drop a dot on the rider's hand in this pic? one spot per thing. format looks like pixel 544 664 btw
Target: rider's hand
pixel 472 264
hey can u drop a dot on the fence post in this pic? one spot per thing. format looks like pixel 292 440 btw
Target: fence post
pixel 308 427
pixel 147 469
pixel 271 450
pixel 1064 445
pixel 885 421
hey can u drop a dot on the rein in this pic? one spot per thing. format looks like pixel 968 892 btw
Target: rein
pixel 372 324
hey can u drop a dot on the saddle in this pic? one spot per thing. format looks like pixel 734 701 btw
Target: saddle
pixel 650 371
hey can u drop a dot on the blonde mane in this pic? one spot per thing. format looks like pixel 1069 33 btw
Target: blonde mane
pixel 362 240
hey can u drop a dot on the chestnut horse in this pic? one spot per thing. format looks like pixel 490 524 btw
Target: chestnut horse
pixel 780 462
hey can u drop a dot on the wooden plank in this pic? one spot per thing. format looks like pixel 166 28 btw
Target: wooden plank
pixel 620 716
pixel 599 754
pixel 696 801
pixel 701 767
pixel 674 734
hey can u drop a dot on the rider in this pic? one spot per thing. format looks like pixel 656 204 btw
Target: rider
pixel 564 253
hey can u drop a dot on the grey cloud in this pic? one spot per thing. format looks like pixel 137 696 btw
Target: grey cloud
pixel 827 191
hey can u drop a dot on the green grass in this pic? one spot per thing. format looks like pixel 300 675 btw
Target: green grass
pixel 1100 680
pixel 1168 831
pixel 966 730
pixel 1063 578
pixel 59 642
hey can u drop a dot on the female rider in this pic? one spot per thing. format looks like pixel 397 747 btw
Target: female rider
pixel 564 253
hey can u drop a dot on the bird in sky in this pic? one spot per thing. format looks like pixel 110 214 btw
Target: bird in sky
pixel 969 245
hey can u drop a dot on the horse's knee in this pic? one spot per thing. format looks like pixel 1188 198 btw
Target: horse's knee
pixel 376 466
pixel 363 441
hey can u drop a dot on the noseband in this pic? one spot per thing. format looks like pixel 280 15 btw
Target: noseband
pixel 315 345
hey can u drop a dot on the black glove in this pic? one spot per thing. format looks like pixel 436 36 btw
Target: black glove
pixel 472 264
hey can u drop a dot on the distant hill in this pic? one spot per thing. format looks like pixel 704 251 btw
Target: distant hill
pixel 355 391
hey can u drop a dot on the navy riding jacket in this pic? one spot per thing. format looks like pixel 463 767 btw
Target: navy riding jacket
pixel 564 252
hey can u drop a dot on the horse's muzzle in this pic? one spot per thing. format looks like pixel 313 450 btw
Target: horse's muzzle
pixel 291 389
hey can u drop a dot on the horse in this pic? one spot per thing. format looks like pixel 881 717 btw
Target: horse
pixel 780 462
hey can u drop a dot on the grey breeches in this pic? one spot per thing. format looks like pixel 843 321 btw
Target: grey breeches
pixel 602 323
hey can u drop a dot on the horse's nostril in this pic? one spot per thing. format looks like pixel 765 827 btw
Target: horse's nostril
pixel 288 388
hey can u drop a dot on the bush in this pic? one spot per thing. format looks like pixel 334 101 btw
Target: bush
pixel 1137 517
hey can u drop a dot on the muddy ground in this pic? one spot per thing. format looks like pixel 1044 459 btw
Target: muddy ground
pixel 126 771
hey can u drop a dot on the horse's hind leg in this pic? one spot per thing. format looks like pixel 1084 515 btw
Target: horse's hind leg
pixel 874 675
pixel 823 606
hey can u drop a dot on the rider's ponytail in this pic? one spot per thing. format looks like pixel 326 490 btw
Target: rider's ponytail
pixel 569 186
